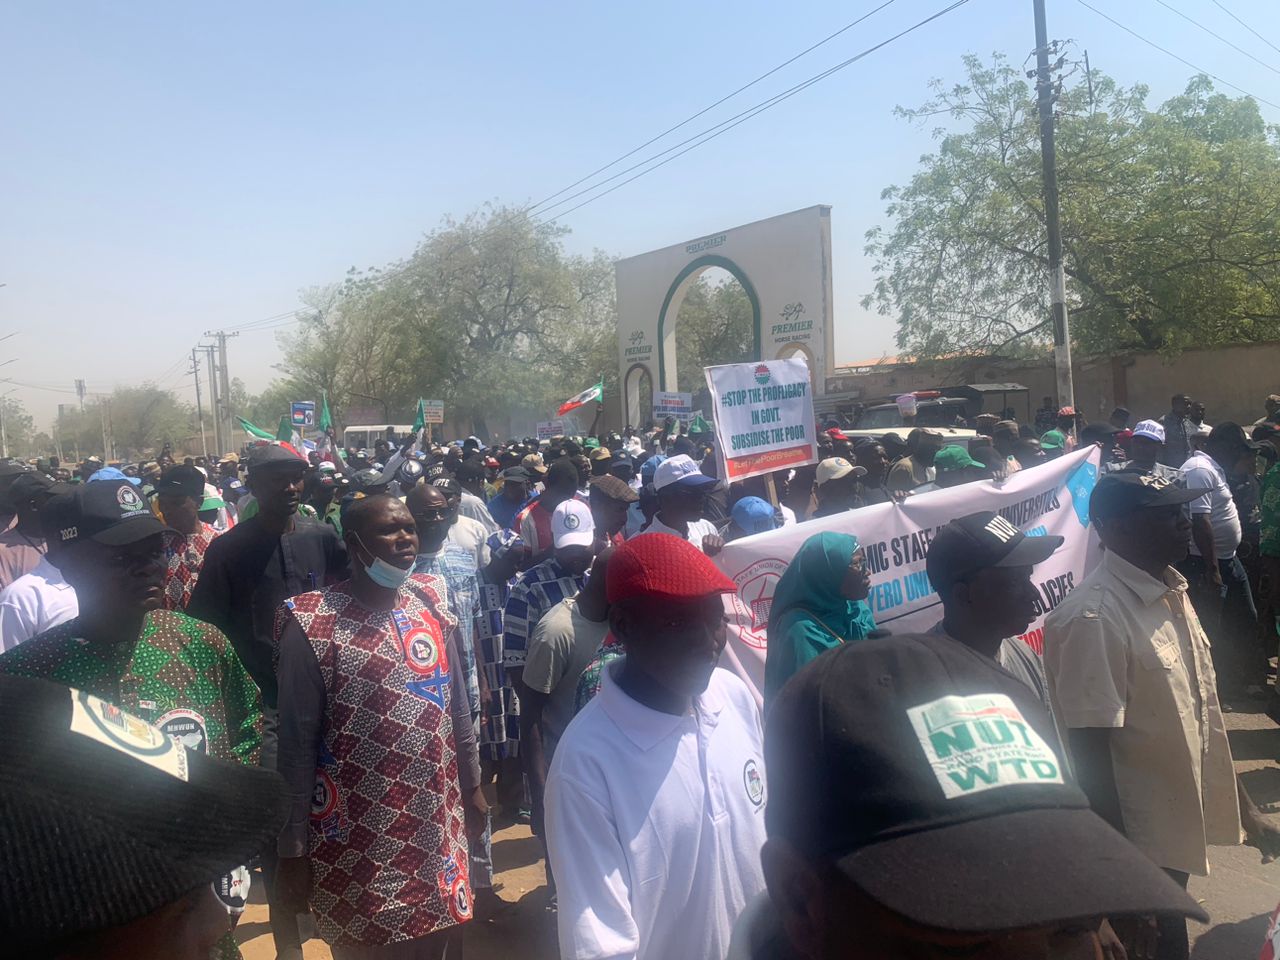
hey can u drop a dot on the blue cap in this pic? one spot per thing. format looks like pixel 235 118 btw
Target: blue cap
pixel 650 467
pixel 111 473
pixel 753 515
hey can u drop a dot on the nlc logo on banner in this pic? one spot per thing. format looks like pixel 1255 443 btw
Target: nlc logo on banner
pixel 1051 499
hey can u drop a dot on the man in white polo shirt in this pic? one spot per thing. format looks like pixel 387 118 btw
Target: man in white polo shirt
pixel 1219 585
pixel 35 602
pixel 682 491
pixel 655 799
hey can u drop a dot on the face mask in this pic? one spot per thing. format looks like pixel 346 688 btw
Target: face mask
pixel 383 573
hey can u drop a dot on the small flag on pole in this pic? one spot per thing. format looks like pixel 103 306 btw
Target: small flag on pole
pixel 254 431
pixel 420 418
pixel 595 393
pixel 326 421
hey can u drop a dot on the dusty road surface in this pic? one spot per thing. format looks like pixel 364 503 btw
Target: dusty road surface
pixel 1239 893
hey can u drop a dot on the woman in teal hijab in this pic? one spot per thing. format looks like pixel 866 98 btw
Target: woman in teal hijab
pixel 819 603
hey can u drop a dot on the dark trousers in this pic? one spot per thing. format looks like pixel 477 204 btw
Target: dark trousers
pixel 1174 944
pixel 284 925
pixel 1230 619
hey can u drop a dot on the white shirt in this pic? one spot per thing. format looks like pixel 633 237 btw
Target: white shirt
pixel 655 823
pixel 472 537
pixel 34 603
pixel 697 530
pixel 1201 472
pixel 477 510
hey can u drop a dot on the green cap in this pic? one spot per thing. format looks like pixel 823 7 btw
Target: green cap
pixel 1053 440
pixel 954 458
pixel 591 443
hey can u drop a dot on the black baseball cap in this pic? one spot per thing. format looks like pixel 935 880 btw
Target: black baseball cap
pixel 981 540
pixel 935 782
pixel 181 481
pixel 519 474
pixel 1231 434
pixel 272 455
pixel 1265 431
pixel 104 819
pixel 110 512
pixel 1124 491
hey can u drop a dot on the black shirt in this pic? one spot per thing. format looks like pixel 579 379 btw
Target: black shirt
pixel 248 572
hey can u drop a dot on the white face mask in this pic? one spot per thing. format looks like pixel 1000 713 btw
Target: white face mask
pixel 383 573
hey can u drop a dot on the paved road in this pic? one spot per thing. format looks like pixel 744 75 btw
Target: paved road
pixel 1239 893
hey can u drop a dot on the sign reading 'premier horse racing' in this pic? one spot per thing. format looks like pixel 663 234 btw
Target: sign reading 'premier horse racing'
pixel 764 416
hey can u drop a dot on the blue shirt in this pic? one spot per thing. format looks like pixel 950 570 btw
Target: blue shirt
pixel 456 566
pixel 504 511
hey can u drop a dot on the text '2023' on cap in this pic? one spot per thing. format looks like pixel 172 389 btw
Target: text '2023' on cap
pixel 104 819
pixel 112 513
pixel 934 781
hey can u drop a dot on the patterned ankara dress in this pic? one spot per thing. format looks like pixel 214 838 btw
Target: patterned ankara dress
pixel 183 557
pixel 387 836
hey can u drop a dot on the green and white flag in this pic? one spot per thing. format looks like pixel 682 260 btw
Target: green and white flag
pixel 253 431
pixel 326 421
pixel 420 418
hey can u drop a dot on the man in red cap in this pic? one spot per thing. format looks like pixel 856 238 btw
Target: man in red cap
pixel 655 799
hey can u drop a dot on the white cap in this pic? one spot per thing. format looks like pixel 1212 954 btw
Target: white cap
pixel 833 468
pixel 572 525
pixel 682 470
pixel 1151 429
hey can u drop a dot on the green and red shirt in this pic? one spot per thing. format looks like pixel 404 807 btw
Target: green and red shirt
pixel 181 675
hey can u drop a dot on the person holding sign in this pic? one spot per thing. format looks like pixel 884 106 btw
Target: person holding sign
pixel 682 490
pixel 819 603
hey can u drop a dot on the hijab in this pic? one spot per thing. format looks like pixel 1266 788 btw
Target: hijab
pixel 809 589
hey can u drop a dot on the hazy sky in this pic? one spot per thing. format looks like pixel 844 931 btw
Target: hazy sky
pixel 167 169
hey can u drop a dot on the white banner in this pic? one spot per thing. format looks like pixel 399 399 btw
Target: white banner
pixel 763 415
pixel 678 405
pixel 1051 499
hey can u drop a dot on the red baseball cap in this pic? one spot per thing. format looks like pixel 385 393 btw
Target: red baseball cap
pixel 835 433
pixel 662 566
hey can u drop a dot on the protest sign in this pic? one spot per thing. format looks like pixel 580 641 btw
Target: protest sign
pixel 550 428
pixel 763 416
pixel 678 405
pixel 433 411
pixel 302 413
pixel 1051 499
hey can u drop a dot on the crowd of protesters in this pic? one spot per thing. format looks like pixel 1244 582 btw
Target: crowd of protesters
pixel 366 661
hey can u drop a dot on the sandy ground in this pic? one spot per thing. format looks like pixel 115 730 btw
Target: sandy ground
pixel 1239 893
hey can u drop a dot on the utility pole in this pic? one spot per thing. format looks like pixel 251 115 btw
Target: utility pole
pixel 195 370
pixel 224 398
pixel 218 438
pixel 1057 276
pixel 4 436
pixel 80 393
pixel 102 412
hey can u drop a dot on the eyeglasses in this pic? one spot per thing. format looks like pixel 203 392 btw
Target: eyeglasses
pixel 441 513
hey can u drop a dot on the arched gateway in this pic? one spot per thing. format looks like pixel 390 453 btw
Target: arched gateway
pixel 784 266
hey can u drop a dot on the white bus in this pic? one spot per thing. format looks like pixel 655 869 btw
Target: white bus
pixel 364 436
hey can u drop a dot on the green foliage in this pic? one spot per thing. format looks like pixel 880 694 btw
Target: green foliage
pixel 489 315
pixel 139 421
pixel 1169 220
pixel 713 326
pixel 19 428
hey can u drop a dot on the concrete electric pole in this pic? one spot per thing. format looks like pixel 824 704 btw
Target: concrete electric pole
pixel 195 371
pixel 1057 275
pixel 224 392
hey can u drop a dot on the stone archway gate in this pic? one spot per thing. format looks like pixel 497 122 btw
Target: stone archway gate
pixel 783 264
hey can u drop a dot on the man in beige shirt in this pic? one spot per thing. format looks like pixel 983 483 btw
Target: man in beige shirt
pixel 1131 677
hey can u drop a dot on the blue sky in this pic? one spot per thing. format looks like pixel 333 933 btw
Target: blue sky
pixel 168 169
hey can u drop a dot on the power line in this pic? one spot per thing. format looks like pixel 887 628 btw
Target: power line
pixel 708 109
pixel 1183 60
pixel 1219 36
pixel 725 126
pixel 1246 26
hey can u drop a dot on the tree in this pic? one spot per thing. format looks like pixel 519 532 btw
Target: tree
pixel 136 421
pixel 18 428
pixel 1169 219
pixel 489 315
pixel 714 326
